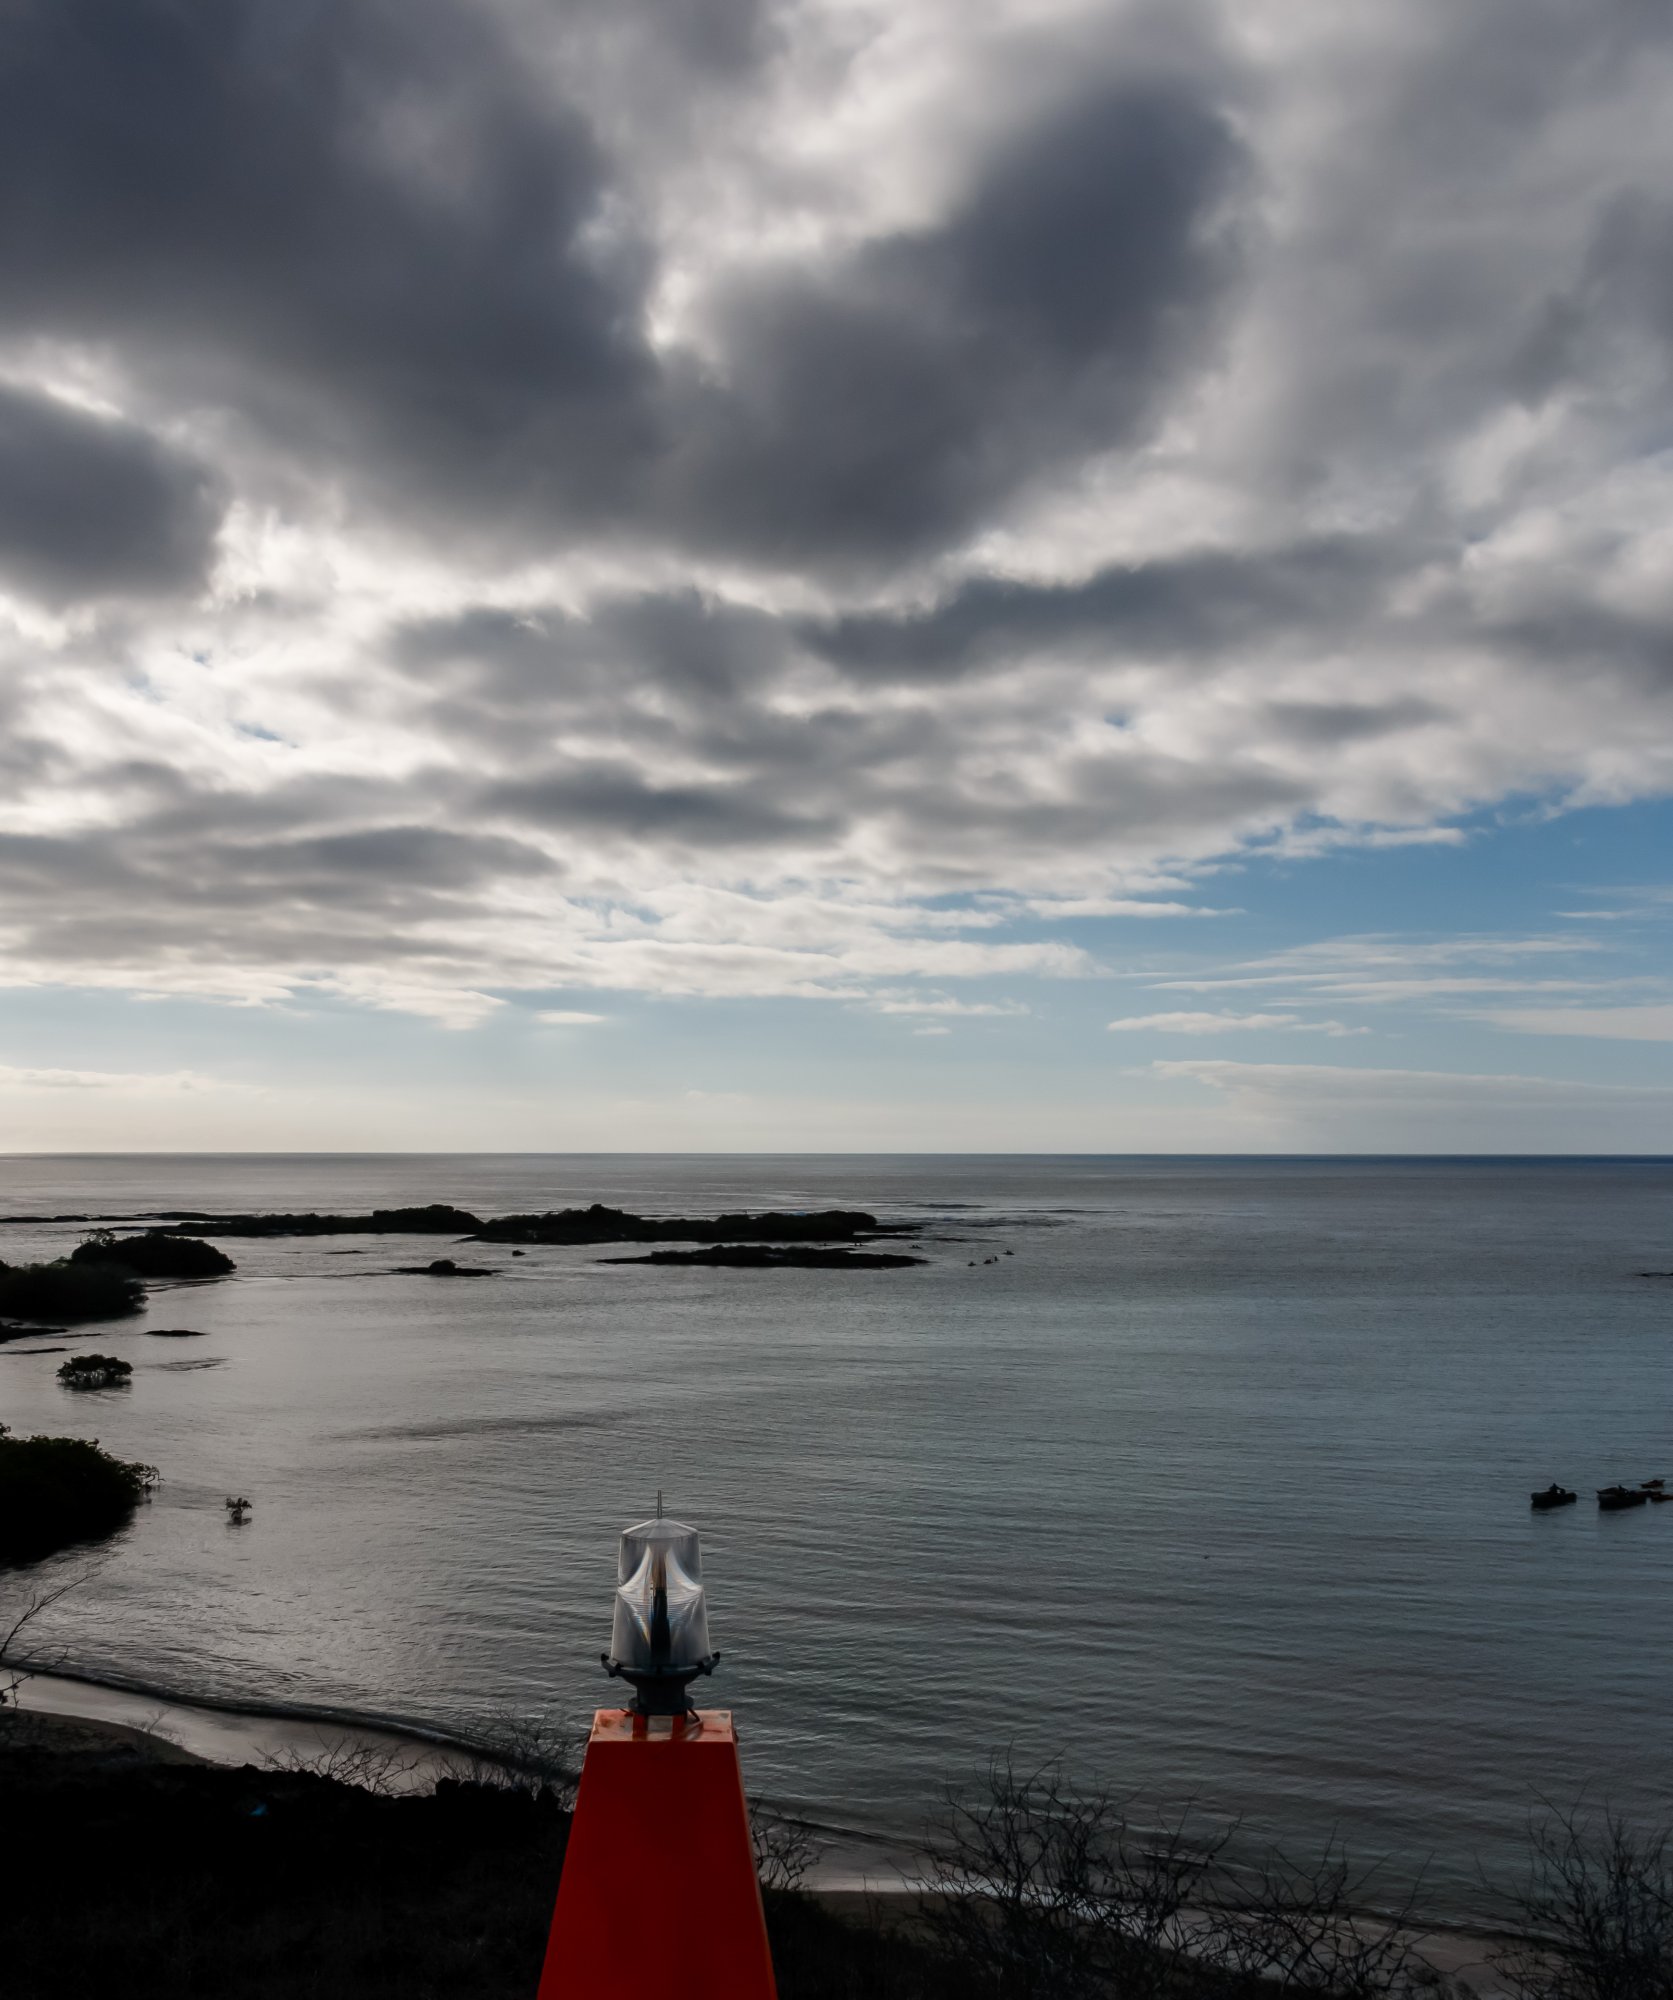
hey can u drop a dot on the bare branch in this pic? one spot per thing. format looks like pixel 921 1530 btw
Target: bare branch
pixel 785 1849
pixel 345 1760
pixel 1596 1912
pixel 38 1603
pixel 528 1753
pixel 1322 1926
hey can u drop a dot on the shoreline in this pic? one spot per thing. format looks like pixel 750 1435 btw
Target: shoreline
pixel 852 1869
pixel 216 1731
pixel 213 1731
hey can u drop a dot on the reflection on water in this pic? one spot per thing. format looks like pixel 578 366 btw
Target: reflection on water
pixel 1219 1484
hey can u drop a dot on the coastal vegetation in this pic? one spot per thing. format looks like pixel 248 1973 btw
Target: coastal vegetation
pixel 156 1254
pixel 317 1876
pixel 599 1224
pixel 55 1492
pixel 94 1371
pixel 433 1219
pixel 68 1293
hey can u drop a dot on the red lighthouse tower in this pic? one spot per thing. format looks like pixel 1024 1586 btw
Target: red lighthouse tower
pixel 659 1885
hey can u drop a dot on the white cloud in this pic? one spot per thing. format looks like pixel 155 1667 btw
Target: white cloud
pixel 1302 1106
pixel 1614 1024
pixel 1055 908
pixel 933 1003
pixel 1227 1024
pixel 1395 970
pixel 565 1017
pixel 808 695
pixel 149 1083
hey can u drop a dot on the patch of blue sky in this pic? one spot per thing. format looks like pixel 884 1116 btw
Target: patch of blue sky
pixel 1538 914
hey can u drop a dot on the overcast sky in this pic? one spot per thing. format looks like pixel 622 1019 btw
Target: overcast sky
pixel 927 574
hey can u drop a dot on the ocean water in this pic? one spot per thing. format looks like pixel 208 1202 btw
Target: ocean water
pixel 1217 1485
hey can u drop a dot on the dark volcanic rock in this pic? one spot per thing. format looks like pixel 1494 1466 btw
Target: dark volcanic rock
pixel 443 1267
pixel 596 1224
pixel 437 1218
pixel 777 1256
pixel 174 1332
pixel 156 1254
pixel 599 1224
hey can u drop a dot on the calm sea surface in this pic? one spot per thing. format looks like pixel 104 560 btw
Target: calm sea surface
pixel 1219 1484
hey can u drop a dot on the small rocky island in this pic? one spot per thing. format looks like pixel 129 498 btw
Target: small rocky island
pixel 102 1278
pixel 64 1294
pixel 599 1224
pixel 158 1253
pixel 777 1257
pixel 574 1226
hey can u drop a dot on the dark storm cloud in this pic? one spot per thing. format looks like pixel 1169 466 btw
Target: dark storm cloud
pixel 1328 724
pixel 1097 802
pixel 355 224
pixel 90 506
pixel 405 855
pixel 618 802
pixel 1202 605
pixel 796 458
pixel 1620 299
pixel 1567 633
pixel 362 230
pixel 877 407
pixel 709 37
pixel 136 891
pixel 679 639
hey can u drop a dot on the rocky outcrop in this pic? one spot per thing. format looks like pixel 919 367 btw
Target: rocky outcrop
pixel 777 1257
pixel 437 1218
pixel 599 1224
pixel 596 1224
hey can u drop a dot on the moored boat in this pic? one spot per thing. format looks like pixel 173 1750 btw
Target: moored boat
pixel 1553 1496
pixel 1611 1499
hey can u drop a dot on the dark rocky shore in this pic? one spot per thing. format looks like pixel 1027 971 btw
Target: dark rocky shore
pixel 596 1224
pixel 131 1871
pixel 777 1256
pixel 104 1277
